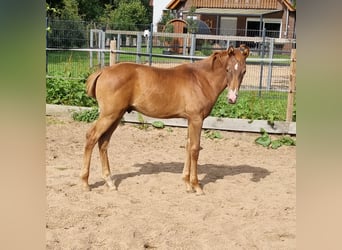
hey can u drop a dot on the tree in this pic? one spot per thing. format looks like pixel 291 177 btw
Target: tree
pixel 65 27
pixel 107 17
pixel 90 10
pixel 192 24
pixel 131 15
pixel 70 10
pixel 100 10
pixel 167 16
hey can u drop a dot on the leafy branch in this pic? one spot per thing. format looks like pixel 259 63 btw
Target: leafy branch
pixel 266 141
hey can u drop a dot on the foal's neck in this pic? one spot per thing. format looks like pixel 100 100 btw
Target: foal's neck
pixel 218 75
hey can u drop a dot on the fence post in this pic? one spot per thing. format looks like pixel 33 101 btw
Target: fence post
pixel 292 86
pixel 112 55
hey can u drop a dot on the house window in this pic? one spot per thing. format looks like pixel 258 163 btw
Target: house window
pixel 272 26
pixel 228 26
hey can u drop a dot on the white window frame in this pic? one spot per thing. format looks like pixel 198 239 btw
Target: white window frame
pixel 266 20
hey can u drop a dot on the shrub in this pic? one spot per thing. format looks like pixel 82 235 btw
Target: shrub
pixel 251 106
pixel 86 115
pixel 67 92
pixel 206 49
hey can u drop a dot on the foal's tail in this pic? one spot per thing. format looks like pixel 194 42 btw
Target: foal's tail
pixel 91 83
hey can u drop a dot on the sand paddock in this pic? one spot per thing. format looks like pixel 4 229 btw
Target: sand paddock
pixel 249 201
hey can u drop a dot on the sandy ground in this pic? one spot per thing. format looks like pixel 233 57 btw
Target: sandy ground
pixel 249 201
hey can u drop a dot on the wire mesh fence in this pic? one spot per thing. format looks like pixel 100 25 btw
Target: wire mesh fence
pixel 74 49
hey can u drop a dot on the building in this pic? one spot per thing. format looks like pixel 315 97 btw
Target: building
pixel 158 7
pixel 240 17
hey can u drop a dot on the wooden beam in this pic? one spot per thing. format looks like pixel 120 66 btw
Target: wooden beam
pixel 112 54
pixel 227 124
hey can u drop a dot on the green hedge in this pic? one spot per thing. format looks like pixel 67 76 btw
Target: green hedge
pixel 249 105
pixel 67 92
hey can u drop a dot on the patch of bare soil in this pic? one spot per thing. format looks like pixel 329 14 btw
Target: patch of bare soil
pixel 249 201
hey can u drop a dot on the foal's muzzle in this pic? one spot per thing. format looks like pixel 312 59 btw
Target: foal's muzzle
pixel 232 96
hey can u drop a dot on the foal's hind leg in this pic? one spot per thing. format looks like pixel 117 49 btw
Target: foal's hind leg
pixel 103 146
pixel 92 137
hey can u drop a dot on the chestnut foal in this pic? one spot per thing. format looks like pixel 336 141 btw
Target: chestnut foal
pixel 186 91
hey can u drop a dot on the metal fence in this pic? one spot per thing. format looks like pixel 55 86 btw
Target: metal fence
pixel 76 48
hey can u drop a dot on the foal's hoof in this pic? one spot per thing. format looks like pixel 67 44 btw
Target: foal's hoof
pixel 199 190
pixel 110 183
pixel 190 190
pixel 196 189
pixel 86 188
pixel 111 188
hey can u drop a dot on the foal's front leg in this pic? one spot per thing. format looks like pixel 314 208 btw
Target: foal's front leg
pixel 186 169
pixel 190 175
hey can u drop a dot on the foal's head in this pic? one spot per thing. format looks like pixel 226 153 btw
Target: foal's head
pixel 236 69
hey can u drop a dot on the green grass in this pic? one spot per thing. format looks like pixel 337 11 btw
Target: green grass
pixel 271 106
pixel 74 64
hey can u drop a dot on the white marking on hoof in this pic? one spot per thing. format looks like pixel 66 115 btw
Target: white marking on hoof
pixel 86 188
pixel 110 183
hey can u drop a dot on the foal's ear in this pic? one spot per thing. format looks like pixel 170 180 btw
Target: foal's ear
pixel 230 50
pixel 244 50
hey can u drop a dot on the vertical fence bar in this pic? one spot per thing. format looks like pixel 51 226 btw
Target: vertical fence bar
pixel 98 46
pixel 118 45
pixel 103 46
pixel 228 43
pixel 184 46
pixel 193 47
pixel 292 86
pixel 139 42
pixel 262 63
pixel 91 46
pixel 150 44
pixel 46 44
pixel 270 67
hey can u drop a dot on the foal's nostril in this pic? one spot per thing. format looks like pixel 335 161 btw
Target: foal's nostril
pixel 231 101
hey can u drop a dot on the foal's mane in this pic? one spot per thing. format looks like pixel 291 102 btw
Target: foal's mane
pixel 218 56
